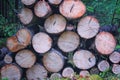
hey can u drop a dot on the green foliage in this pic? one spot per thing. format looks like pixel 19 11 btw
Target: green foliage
pixel 5 79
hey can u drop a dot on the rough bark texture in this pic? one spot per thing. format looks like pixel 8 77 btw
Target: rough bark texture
pixel 103 65
pixel 105 43
pixel 68 41
pixel 36 72
pixel 115 57
pixel 116 69
pixel 41 42
pixel 84 59
pixel 28 2
pixel 26 16
pixel 68 72
pixel 25 58
pixel 55 24
pixel 72 9
pixel 88 27
pixel 42 9
pixel 11 72
pixel 53 61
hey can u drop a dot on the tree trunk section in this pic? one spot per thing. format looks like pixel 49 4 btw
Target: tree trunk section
pixel 11 72
pixel 8 58
pixel 55 2
pixel 55 76
pixel 26 16
pixel 88 27
pixel 72 9
pixel 68 41
pixel 103 65
pixel 68 72
pixel 94 70
pixel 25 58
pixel 84 73
pixel 41 42
pixel 55 24
pixel 42 9
pixel 105 43
pixel 53 61
pixel 115 57
pixel 36 72
pixel 28 2
pixel 84 59
pixel 116 69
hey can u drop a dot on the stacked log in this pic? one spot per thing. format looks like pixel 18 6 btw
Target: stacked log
pixel 44 52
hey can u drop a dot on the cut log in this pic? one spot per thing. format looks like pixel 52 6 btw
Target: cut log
pixel 55 2
pixel 41 42
pixel 26 16
pixel 11 72
pixel 70 27
pixel 84 59
pixel 94 70
pixel 72 9
pixel 55 76
pixel 84 73
pixel 68 41
pixel 68 72
pixel 55 24
pixel 8 58
pixel 103 65
pixel 28 2
pixel 42 9
pixel 24 37
pixel 116 69
pixel 115 57
pixel 13 44
pixel 25 58
pixel 53 61
pixel 105 43
pixel 88 27
pixel 36 72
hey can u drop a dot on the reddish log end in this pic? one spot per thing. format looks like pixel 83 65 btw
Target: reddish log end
pixel 72 9
pixel 105 43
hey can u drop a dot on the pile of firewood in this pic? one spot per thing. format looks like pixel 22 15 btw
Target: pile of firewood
pixel 53 30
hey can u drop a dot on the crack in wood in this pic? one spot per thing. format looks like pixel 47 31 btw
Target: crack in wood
pixel 71 8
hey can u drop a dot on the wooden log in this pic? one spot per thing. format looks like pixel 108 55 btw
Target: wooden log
pixel 42 9
pixel 68 72
pixel 36 72
pixel 28 2
pixel 105 43
pixel 55 24
pixel 24 36
pixel 94 70
pixel 68 41
pixel 25 58
pixel 70 27
pixel 13 44
pixel 55 2
pixel 72 9
pixel 84 73
pixel 103 65
pixel 26 16
pixel 88 27
pixel 8 58
pixel 55 76
pixel 41 42
pixel 84 59
pixel 11 72
pixel 116 69
pixel 115 57
pixel 53 61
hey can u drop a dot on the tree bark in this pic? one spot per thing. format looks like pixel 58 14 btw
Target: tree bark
pixel 72 9
pixel 105 43
pixel 55 24
pixel 68 41
pixel 84 59
pixel 88 27
pixel 25 58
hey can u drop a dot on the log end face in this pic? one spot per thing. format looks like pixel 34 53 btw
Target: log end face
pixel 55 2
pixel 28 2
